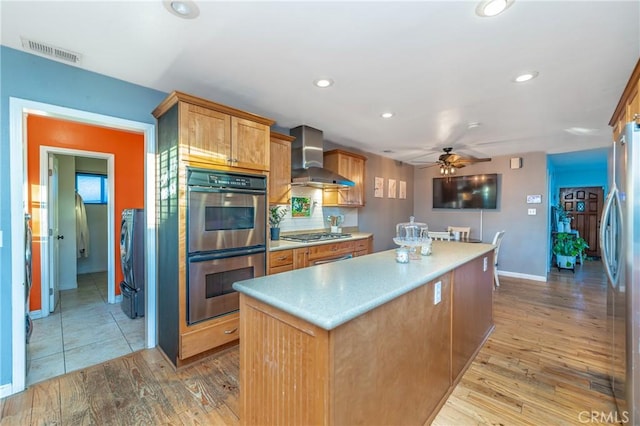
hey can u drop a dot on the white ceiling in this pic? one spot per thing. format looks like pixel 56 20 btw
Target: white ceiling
pixel 436 65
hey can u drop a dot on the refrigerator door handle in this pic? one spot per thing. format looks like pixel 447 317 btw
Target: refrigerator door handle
pixel 609 237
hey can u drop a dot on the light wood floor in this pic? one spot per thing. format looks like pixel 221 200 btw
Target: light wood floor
pixel 545 363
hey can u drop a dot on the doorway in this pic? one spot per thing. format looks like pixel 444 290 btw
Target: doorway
pixel 19 110
pixel 584 204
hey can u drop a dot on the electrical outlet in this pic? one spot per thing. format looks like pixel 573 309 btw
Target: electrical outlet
pixel 485 264
pixel 531 212
pixel 437 293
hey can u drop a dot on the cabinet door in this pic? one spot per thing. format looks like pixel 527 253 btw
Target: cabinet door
pixel 250 144
pixel 355 195
pixel 206 133
pixel 350 166
pixel 280 169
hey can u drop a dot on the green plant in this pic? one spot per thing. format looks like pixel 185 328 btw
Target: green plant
pixel 276 215
pixel 563 215
pixel 568 245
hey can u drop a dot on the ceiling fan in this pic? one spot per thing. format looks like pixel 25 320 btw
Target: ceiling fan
pixel 450 161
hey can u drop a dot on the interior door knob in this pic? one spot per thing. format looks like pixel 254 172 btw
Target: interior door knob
pixel 60 237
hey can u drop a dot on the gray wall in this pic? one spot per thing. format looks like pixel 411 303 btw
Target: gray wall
pixel 525 246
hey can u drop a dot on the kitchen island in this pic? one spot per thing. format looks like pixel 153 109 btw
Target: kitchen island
pixel 365 340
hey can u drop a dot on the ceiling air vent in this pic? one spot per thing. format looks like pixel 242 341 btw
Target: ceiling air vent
pixel 51 51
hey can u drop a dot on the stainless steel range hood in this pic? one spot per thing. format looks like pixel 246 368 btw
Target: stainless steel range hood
pixel 307 160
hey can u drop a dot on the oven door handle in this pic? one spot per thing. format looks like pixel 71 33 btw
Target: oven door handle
pixel 204 257
pixel 221 189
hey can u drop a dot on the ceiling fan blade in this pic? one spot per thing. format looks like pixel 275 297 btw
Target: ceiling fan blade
pixel 472 160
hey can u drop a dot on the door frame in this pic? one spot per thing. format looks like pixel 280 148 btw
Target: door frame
pixel 18 111
pixel 45 266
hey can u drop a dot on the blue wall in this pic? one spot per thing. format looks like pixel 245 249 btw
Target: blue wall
pixel 31 77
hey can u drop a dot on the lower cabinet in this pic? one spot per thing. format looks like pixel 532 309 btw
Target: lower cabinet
pixel 288 260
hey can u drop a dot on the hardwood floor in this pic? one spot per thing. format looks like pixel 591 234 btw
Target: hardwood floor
pixel 545 363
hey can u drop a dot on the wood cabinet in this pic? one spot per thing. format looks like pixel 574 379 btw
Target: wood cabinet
pixel 351 166
pixel 288 260
pixel 218 135
pixel 280 169
pixel 628 108
pixel 195 132
pixel 391 365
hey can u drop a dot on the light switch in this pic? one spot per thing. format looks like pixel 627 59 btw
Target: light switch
pixel 437 293
pixel 532 212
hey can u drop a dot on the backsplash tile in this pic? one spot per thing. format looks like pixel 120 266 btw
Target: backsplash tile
pixel 318 213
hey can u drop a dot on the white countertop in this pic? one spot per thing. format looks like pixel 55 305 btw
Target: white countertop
pixel 334 293
pixel 286 245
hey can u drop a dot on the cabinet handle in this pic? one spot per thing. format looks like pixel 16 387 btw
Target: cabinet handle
pixel 231 331
pixel 282 257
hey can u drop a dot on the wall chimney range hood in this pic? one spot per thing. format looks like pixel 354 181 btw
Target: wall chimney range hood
pixel 307 160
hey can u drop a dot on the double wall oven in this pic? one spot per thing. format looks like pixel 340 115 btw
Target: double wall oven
pixel 226 239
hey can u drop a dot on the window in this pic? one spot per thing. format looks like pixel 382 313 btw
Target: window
pixel 92 188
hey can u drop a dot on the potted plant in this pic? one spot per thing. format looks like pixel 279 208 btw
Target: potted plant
pixel 566 247
pixel 276 215
pixel 564 219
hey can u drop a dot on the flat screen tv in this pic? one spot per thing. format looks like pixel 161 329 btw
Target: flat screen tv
pixel 466 192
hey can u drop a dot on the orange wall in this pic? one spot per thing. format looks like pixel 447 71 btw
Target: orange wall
pixel 128 150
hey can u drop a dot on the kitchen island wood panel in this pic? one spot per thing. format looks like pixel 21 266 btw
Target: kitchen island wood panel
pixel 372 363
pixel 471 313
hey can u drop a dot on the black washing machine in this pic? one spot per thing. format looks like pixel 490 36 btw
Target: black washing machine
pixel 132 260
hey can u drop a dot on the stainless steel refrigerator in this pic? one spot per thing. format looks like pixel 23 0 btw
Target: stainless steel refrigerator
pixel 620 245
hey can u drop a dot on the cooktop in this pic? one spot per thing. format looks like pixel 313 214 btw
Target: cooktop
pixel 315 236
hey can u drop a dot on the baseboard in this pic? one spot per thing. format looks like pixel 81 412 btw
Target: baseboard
pixel 5 390
pixel 118 298
pixel 36 314
pixel 523 276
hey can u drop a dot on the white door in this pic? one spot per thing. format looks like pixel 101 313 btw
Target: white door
pixel 54 237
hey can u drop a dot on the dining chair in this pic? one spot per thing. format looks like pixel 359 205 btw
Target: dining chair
pixel 440 235
pixel 463 230
pixel 497 239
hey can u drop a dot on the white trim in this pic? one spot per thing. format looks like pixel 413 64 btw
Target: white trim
pixel 45 151
pixel 523 276
pixel 18 109
pixel 5 390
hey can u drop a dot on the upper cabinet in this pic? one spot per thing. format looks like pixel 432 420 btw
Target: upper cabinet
pixel 280 169
pixel 351 166
pixel 628 108
pixel 219 135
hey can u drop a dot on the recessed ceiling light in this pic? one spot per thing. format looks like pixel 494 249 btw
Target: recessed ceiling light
pixel 526 77
pixel 323 82
pixel 582 131
pixel 489 8
pixel 184 8
pixel 387 114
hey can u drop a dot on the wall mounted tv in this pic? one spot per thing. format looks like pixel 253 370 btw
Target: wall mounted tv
pixel 466 192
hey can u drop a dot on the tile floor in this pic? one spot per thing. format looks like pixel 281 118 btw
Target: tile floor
pixel 83 330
